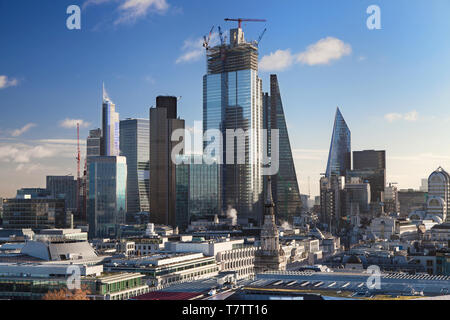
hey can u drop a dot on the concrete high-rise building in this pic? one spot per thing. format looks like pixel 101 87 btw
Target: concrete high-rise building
pixel 424 185
pixel 286 192
pixel 232 100
pixel 331 201
pixel 438 202
pixel 110 127
pixel 339 157
pixel 134 142
pixel 107 196
pixel 163 122
pixel 63 187
pixel 391 203
pixel 270 257
pixel 370 165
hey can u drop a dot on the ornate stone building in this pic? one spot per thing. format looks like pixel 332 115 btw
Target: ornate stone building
pixel 271 256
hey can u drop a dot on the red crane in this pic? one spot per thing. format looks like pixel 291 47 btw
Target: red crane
pixel 240 20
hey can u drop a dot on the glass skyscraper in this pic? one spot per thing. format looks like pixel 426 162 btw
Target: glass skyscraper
pixel 63 187
pixel 110 130
pixel 232 99
pixel 134 142
pixel 339 158
pixel 197 189
pixel 285 188
pixel 107 196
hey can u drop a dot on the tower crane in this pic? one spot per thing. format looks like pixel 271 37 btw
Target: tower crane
pixel 240 20
pixel 207 40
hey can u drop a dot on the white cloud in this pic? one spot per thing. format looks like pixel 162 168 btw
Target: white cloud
pixel 409 116
pixel 72 123
pixel 324 51
pixel 277 61
pixel 132 10
pixel 194 50
pixel 6 82
pixel 129 11
pixel 25 128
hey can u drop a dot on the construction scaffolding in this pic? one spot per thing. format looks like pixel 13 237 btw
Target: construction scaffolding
pixel 227 58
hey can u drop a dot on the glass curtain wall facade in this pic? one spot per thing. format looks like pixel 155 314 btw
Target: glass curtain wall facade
pixel 107 196
pixel 63 187
pixel 110 130
pixel 285 187
pixel 339 158
pixel 232 99
pixel 197 189
pixel 134 141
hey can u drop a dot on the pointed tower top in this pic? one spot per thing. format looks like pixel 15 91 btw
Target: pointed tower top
pixel 105 94
pixel 269 200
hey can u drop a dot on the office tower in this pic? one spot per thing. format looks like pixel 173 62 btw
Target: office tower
pixel 370 165
pixel 424 185
pixel 339 158
pixel 110 127
pixel 197 186
pixel 270 257
pixel 232 99
pixel 391 203
pixel 134 142
pixel 439 194
pixel 163 122
pixel 411 200
pixel 286 192
pixel 107 196
pixel 357 197
pixel 331 198
pixel 34 208
pixel 63 187
pixel 93 143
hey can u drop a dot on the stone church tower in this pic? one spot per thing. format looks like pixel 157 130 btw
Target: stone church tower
pixel 270 257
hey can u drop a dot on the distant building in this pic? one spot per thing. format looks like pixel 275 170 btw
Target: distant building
pixel 424 185
pixel 411 200
pixel 391 203
pixel 438 202
pixel 110 127
pixel 331 201
pixel 370 165
pixel 107 196
pixel 163 122
pixel 63 187
pixel 93 143
pixel 357 193
pixel 134 142
pixel 339 157
pixel 34 212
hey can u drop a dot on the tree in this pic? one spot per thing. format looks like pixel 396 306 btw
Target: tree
pixel 66 294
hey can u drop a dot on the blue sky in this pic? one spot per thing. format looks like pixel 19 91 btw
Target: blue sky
pixel 392 85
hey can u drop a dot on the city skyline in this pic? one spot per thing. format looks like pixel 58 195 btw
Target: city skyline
pixel 403 112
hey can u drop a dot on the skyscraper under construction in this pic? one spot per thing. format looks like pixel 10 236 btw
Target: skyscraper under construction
pixel 232 100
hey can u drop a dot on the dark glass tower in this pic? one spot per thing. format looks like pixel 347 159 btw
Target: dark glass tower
pixel 286 192
pixel 339 158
